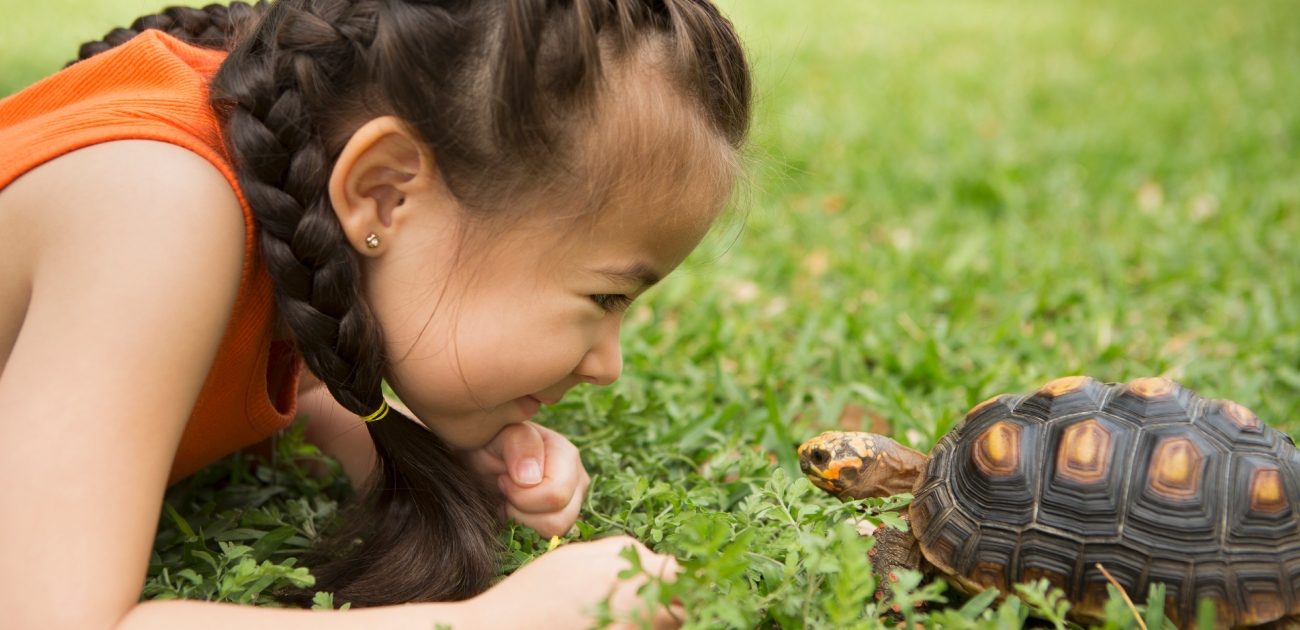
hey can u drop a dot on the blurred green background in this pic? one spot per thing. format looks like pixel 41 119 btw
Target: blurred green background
pixel 37 38
pixel 952 198
pixel 946 200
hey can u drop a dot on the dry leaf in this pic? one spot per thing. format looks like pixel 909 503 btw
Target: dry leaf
pixel 1150 196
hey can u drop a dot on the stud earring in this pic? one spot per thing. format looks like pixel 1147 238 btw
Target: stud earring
pixel 372 241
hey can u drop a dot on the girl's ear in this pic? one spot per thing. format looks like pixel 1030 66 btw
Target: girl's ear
pixel 379 168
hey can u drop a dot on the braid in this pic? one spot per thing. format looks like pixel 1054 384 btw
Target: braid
pixel 301 54
pixel 284 171
pixel 213 26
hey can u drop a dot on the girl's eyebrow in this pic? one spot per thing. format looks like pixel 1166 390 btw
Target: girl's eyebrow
pixel 635 272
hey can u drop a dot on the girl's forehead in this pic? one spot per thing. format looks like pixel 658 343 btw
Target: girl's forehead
pixel 660 197
pixel 646 171
pixel 666 233
pixel 648 145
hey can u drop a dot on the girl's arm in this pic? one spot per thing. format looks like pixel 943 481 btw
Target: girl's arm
pixel 561 590
pixel 134 256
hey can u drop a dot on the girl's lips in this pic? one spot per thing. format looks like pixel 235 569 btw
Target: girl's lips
pixel 529 406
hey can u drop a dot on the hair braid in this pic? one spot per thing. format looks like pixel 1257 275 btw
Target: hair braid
pixel 300 56
pixel 284 170
pixel 213 26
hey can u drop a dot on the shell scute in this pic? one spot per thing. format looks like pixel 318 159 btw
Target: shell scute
pixel 1244 418
pixel 997 450
pixel 1084 452
pixel 1211 579
pixel 1148 401
pixel 1125 564
pixel 989 564
pixel 1085 490
pixel 1262 606
pixel 1264 514
pixel 1262 589
pixel 1291 574
pixel 1177 491
pixel 947 538
pixel 1176 575
pixel 928 503
pixel 1152 387
pixel 996 405
pixel 1267 496
pixel 1237 427
pixel 1063 396
pixel 1176 469
pixel 1045 555
pixel 994 472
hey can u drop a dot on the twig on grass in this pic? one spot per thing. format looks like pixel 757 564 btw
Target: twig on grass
pixel 1122 593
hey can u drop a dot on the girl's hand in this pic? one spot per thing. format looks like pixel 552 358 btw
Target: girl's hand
pixel 540 474
pixel 565 587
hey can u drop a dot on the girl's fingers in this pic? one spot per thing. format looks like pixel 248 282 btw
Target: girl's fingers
pixel 666 568
pixel 669 618
pixel 484 464
pixel 521 448
pixel 660 565
pixel 564 479
pixel 553 522
pixel 517 449
pixel 550 505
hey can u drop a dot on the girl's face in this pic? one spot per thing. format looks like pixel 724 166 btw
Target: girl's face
pixel 483 325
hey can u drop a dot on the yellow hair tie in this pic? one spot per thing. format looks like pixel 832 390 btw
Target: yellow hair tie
pixel 378 414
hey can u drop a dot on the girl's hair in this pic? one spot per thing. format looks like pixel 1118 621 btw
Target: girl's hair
pixel 491 87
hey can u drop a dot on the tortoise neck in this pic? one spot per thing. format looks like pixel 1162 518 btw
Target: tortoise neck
pixel 896 470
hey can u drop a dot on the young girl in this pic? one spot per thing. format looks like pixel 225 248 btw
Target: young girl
pixel 458 196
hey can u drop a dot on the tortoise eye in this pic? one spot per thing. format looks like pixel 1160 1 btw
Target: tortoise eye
pixel 819 457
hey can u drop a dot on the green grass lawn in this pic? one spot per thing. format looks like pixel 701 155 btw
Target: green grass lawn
pixel 946 201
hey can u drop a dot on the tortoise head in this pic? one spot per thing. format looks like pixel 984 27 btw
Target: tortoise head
pixel 853 465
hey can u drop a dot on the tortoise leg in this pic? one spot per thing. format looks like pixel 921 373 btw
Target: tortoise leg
pixel 894 551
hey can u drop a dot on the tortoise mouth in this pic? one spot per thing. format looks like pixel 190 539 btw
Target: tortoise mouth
pixel 826 472
pixel 828 485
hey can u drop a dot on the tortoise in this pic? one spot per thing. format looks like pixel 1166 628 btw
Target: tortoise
pixel 1145 478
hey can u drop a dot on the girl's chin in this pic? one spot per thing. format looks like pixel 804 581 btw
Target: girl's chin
pixel 472 433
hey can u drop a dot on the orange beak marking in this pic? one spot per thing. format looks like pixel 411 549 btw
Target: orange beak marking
pixel 833 470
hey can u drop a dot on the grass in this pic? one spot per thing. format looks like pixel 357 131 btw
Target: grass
pixel 947 201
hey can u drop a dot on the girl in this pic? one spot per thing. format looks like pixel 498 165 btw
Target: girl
pixel 458 196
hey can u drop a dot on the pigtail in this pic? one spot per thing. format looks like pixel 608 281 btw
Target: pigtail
pixel 427 529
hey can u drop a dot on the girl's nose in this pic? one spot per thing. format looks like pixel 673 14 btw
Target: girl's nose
pixel 603 363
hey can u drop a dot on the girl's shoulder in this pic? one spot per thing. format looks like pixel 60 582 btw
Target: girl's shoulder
pixel 126 200
pixel 145 184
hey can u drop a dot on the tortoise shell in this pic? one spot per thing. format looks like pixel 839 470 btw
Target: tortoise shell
pixel 1145 478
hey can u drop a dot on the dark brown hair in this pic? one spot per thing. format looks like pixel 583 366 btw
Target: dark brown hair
pixel 489 86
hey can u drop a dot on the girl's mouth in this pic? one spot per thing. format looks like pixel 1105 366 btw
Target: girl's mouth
pixel 529 405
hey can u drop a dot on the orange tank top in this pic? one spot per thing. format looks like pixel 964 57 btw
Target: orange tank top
pixel 155 87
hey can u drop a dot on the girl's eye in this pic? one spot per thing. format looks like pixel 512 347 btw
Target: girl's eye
pixel 612 303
